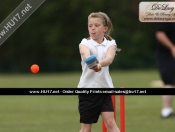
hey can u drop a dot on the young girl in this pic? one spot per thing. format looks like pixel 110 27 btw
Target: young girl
pixel 104 48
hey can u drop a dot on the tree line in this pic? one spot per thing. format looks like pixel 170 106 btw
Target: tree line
pixel 51 35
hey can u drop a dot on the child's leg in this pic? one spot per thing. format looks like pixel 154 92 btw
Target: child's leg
pixel 85 127
pixel 89 110
pixel 109 121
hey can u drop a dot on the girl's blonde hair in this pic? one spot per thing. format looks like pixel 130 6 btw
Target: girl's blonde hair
pixel 106 22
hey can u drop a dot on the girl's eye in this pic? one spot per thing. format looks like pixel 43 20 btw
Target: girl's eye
pixel 96 25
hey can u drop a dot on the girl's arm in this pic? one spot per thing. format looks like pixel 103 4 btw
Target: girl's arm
pixel 84 51
pixel 111 52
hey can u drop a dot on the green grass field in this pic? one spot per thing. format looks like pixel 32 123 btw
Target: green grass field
pixel 128 79
pixel 60 113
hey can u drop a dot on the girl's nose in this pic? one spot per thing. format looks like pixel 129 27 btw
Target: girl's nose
pixel 93 27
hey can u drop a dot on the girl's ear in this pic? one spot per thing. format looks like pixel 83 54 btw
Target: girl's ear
pixel 105 29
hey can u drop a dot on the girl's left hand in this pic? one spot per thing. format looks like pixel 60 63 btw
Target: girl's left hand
pixel 97 68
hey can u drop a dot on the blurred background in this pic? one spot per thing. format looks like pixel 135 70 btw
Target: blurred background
pixel 50 38
pixel 51 35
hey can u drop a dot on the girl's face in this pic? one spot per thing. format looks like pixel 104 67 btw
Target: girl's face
pixel 96 29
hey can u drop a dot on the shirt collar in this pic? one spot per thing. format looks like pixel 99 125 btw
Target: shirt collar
pixel 97 44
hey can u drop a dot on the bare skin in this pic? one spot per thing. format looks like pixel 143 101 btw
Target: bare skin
pixel 97 31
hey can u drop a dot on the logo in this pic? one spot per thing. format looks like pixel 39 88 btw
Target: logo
pixel 157 11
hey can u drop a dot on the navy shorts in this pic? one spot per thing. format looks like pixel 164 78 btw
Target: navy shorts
pixel 91 106
pixel 166 65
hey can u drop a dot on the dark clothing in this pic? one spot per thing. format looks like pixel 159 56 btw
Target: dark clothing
pixel 169 29
pixel 165 61
pixel 91 106
pixel 166 66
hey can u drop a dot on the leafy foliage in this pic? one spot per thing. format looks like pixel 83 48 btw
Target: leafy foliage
pixel 50 37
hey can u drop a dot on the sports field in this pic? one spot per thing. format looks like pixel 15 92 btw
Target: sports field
pixel 60 113
pixel 128 79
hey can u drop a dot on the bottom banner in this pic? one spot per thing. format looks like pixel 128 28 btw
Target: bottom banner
pixel 90 91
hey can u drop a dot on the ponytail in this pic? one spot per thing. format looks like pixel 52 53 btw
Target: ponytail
pixel 108 37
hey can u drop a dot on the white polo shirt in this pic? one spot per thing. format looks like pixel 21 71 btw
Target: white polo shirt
pixel 89 78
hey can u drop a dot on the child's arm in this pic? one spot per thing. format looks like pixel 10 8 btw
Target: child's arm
pixel 108 59
pixel 84 51
pixel 110 54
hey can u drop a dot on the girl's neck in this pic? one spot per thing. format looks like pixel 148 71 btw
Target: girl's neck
pixel 99 41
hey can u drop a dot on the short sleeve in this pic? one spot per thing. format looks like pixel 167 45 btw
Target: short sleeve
pixel 84 42
pixel 111 43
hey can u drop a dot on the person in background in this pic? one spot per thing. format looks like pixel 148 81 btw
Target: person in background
pixel 165 54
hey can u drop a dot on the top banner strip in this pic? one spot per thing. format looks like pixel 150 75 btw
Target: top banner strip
pixel 157 11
